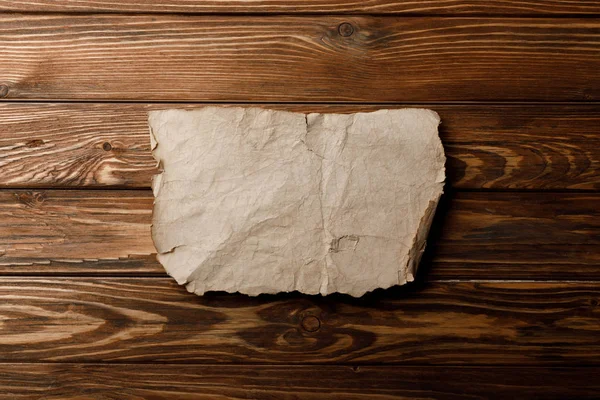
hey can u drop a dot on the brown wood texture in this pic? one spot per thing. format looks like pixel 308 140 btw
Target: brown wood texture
pixel 107 145
pixel 158 382
pixel 154 320
pixel 475 235
pixel 507 300
pixel 298 58
pixel 405 7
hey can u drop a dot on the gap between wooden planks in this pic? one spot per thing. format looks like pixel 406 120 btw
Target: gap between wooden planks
pixel 154 320
pixel 405 7
pixel 234 382
pixel 475 235
pixel 489 146
pixel 298 58
pixel 142 320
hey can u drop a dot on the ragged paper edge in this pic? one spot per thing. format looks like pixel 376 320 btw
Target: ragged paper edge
pixel 415 253
pixel 420 241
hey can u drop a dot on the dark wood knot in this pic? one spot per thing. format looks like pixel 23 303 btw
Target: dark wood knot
pixel 345 29
pixel 31 199
pixel 3 90
pixel 106 146
pixel 34 143
pixel 310 323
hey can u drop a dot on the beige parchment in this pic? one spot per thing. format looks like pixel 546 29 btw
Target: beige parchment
pixel 262 201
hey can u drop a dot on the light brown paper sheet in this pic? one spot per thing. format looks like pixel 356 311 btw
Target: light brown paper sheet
pixel 262 201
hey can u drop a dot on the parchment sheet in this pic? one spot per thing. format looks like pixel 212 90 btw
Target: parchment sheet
pixel 261 201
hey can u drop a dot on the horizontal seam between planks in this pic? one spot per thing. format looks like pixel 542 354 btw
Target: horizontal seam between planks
pixel 166 278
pixel 547 365
pixel 323 365
pixel 447 190
pixel 333 103
pixel 457 366
pixel 358 13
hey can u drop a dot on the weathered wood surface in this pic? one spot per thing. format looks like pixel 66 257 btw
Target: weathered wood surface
pixel 74 225
pixel 154 320
pixel 289 58
pixel 475 235
pixel 405 7
pixel 227 382
pixel 511 288
pixel 488 146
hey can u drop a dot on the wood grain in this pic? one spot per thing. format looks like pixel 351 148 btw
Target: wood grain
pixel 288 58
pixel 487 145
pixel 507 301
pixel 232 382
pixel 153 320
pixel 74 225
pixel 405 7
pixel 108 232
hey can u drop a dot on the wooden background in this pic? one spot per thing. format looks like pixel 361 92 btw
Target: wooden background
pixel 507 302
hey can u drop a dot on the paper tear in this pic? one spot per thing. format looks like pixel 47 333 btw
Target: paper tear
pixel 343 243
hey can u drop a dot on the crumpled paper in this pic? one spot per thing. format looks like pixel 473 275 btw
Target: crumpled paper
pixel 257 201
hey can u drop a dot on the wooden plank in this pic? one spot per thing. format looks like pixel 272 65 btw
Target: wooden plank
pixel 74 225
pixel 289 58
pixel 169 381
pixel 154 320
pixel 488 145
pixel 405 7
pixel 533 235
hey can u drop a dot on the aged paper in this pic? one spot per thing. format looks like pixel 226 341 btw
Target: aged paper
pixel 261 201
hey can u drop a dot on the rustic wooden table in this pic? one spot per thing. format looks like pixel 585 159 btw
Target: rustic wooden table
pixel 507 299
